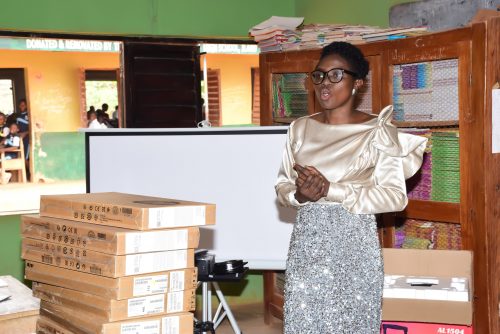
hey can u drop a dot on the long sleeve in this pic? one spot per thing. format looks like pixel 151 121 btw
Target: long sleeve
pixel 386 192
pixel 285 184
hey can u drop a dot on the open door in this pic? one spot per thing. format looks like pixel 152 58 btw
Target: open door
pixel 162 85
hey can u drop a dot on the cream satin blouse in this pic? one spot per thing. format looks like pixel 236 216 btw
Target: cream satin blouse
pixel 367 163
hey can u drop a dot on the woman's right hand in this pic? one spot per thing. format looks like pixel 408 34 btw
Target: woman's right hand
pixel 310 184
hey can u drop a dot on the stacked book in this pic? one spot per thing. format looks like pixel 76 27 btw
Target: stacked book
pixel 315 36
pixel 276 32
pixel 283 34
pixel 393 33
pixel 114 263
pixel 419 186
pixel 445 166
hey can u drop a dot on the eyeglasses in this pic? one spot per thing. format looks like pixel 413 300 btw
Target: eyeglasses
pixel 334 75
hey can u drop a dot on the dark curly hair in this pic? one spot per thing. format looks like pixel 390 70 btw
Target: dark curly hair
pixel 349 53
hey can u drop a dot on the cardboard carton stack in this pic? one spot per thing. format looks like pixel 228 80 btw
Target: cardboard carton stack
pixel 114 263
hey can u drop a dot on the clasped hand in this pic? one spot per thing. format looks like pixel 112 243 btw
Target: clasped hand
pixel 311 184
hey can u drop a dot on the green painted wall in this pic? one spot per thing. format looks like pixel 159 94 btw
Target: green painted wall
pixel 369 12
pixel 60 156
pixel 10 247
pixel 217 18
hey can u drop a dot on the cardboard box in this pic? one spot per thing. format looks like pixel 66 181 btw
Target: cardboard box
pixel 113 288
pixel 428 263
pixel 102 264
pixel 127 211
pixel 47 326
pixel 115 310
pixel 389 327
pixel 106 239
pixel 83 322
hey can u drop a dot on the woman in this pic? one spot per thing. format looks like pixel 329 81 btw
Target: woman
pixel 340 167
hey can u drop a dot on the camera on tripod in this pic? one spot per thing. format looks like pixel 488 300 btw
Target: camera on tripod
pixel 205 262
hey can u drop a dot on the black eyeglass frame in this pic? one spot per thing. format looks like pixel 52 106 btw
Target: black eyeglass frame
pixel 325 74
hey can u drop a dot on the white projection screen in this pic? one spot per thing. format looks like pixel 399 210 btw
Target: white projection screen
pixel 234 168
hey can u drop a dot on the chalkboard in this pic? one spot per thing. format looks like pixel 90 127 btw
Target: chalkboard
pixel 235 168
pixel 437 14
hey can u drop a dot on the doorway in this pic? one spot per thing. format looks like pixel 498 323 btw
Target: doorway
pixel 12 89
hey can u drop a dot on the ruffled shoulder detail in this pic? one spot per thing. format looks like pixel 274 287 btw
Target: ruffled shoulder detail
pixel 389 140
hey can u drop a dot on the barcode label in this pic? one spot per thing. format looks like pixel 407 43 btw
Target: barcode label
pixel 146 305
pixel 154 262
pixel 143 327
pixel 144 242
pixel 170 325
pixel 193 215
pixel 149 285
pixel 175 302
pixel 177 281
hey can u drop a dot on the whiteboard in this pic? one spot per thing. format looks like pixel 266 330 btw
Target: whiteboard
pixel 234 168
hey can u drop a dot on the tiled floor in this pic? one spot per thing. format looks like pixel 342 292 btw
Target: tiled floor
pixel 250 319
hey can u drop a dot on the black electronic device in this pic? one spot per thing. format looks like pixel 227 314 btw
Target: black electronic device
pixel 229 267
pixel 204 261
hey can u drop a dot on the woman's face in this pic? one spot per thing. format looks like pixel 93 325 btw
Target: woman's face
pixel 333 95
pixel 2 119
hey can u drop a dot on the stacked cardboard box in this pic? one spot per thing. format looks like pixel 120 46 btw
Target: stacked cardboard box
pixel 443 308
pixel 114 263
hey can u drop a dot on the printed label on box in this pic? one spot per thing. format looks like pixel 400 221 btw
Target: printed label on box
pixel 390 327
pixel 175 302
pixel 150 242
pixel 177 281
pixel 146 305
pixel 170 325
pixel 143 327
pixel 177 216
pixel 149 285
pixel 153 262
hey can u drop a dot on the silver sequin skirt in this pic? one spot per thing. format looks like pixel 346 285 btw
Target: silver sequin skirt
pixel 334 275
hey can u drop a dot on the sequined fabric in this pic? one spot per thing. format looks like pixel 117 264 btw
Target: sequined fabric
pixel 334 275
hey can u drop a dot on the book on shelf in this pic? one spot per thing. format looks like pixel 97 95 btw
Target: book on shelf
pixel 395 31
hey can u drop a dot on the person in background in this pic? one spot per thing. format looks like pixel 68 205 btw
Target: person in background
pixel 105 108
pixel 114 116
pixel 21 118
pixel 103 119
pixel 4 129
pixel 340 167
pixel 13 139
pixel 92 119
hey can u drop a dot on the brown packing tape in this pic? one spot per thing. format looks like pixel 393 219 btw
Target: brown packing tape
pixel 84 322
pixel 127 210
pixel 92 262
pixel 106 239
pixel 110 310
pixel 113 288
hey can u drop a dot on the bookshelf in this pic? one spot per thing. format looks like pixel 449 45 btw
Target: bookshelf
pixel 473 53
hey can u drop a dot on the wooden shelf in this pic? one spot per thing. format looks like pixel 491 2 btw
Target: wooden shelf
pixel 284 120
pixel 433 211
pixel 425 124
